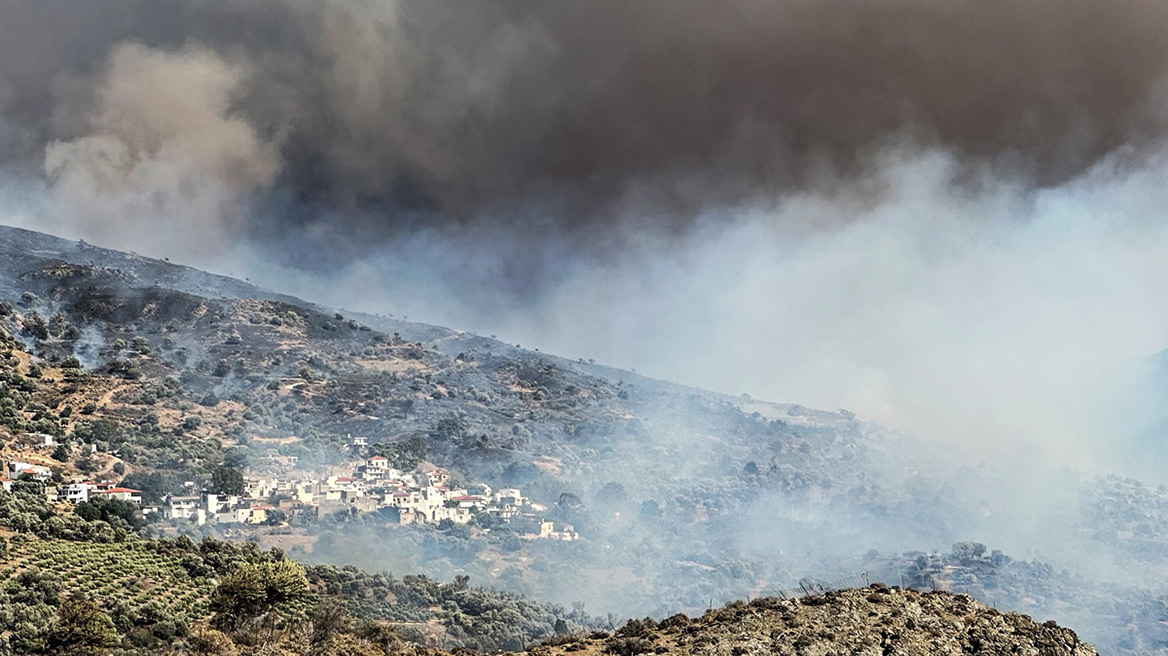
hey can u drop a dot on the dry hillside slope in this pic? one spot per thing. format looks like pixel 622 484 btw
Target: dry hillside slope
pixel 870 621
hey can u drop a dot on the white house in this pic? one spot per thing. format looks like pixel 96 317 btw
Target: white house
pixel 259 488
pixel 456 515
pixel 17 469
pixel 509 495
pixel 39 439
pixel 76 493
pixel 347 484
pixel 217 503
pixel 470 501
pixel 123 494
pixel 182 508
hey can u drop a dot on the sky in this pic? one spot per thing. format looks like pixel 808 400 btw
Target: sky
pixel 943 215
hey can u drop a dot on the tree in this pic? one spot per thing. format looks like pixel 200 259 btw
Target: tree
pixel 404 455
pixel 82 629
pixel 62 453
pixel 650 510
pixel 612 493
pixel 329 619
pixel 235 458
pixel 569 502
pixel 154 485
pixel 29 485
pixel 227 480
pixel 255 589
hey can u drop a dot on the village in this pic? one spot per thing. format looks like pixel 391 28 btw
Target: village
pixel 425 495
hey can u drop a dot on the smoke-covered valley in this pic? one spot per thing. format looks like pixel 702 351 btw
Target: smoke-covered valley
pixel 945 219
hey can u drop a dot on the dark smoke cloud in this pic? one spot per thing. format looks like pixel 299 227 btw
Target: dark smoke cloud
pixel 390 116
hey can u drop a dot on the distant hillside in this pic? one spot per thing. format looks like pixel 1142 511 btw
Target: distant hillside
pixel 164 377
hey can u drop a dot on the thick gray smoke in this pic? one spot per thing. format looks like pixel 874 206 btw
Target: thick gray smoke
pixel 941 214
pixel 389 115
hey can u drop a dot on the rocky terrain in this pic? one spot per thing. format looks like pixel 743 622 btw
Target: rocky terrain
pixel 875 620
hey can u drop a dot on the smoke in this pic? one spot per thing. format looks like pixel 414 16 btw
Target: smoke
pixel 160 151
pixel 940 214
pixel 1012 321
pixel 397 114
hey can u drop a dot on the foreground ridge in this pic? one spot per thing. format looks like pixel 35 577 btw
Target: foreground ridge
pixel 873 620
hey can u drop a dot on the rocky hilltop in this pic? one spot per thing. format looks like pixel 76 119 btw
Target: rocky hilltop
pixel 870 621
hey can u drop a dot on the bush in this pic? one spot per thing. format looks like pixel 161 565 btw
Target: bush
pixel 628 646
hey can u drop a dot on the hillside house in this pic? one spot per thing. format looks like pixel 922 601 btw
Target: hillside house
pixel 404 516
pixel 217 503
pixel 36 440
pixel 259 488
pixel 456 515
pixel 6 483
pixel 284 461
pixel 509 495
pixel 123 494
pixel 243 515
pixel 37 472
pixel 470 501
pixel 76 493
pixel 347 484
pixel 304 491
pixel 184 508
pixel 434 476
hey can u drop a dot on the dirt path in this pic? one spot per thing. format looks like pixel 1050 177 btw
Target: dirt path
pixel 108 397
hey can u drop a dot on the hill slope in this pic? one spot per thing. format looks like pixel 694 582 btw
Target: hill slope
pixel 875 620
pixel 683 498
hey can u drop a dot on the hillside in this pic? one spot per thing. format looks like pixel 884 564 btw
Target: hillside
pixel 156 591
pixel 868 621
pixel 874 620
pixel 175 596
pixel 171 381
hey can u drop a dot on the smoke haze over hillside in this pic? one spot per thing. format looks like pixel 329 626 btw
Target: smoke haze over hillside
pixel 946 216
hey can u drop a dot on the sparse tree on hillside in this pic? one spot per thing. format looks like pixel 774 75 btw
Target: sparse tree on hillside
pixel 255 589
pixel 227 480
pixel 62 453
pixel 82 629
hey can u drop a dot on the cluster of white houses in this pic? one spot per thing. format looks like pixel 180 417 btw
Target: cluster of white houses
pixel 72 492
pixel 422 496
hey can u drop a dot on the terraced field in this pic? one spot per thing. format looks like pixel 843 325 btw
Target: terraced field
pixel 129 572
